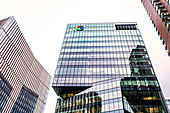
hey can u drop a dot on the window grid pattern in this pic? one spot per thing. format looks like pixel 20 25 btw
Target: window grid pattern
pixel 97 54
pixel 5 91
pixel 26 101
pixel 19 66
pixel 87 102
pixel 96 59
pixel 162 12
pixel 159 12
pixel 140 91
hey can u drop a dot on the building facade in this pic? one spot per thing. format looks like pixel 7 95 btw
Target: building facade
pixel 24 83
pixel 159 12
pixel 168 104
pixel 105 68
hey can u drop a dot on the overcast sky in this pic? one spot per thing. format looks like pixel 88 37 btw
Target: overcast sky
pixel 43 23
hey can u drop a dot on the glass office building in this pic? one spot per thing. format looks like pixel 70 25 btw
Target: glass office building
pixel 24 83
pixel 105 68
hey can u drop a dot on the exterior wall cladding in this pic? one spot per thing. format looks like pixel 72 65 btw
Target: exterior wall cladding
pixel 24 83
pixel 159 12
pixel 168 104
pixel 105 68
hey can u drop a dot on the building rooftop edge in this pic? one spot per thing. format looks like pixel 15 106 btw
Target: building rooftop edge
pixel 102 22
pixel 3 21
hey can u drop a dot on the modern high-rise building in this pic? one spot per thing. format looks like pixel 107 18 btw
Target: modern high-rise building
pixel 24 83
pixel 159 12
pixel 105 68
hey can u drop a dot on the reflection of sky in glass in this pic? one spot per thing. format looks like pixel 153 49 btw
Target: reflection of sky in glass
pixel 99 56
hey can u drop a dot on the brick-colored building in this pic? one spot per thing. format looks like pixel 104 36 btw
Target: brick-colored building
pixel 159 12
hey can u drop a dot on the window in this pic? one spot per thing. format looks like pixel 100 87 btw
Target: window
pixel 126 27
pixel 5 91
pixel 167 24
pixel 26 101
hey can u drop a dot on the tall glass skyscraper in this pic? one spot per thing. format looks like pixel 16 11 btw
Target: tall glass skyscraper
pixel 105 68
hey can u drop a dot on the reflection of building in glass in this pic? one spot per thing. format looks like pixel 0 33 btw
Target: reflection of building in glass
pixel 141 92
pixel 159 12
pixel 139 62
pixel 24 83
pixel 83 103
pixel 110 61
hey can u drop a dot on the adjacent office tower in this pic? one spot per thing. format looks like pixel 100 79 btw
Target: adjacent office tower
pixel 105 68
pixel 159 12
pixel 24 83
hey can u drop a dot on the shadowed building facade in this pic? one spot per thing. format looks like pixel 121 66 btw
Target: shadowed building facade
pixel 24 83
pixel 159 12
pixel 105 68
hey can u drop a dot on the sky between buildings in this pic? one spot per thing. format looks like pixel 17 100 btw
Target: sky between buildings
pixel 43 24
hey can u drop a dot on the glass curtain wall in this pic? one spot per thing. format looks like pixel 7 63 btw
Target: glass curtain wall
pixel 95 59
